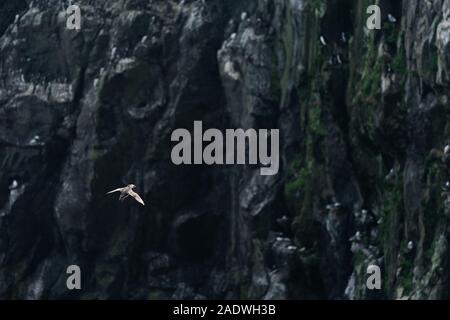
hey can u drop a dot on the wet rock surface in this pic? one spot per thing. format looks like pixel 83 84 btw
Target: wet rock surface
pixel 363 127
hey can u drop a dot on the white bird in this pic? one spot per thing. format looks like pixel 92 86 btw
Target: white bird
pixel 322 40
pixel 113 52
pixel 35 140
pixel 243 15
pixel 356 238
pixel 391 18
pixel 14 185
pixel 390 174
pixel 126 192
pixel 447 149
pixel 410 245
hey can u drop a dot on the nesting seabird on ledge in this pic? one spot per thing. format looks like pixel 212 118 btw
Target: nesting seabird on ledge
pixel 391 18
pixel 128 191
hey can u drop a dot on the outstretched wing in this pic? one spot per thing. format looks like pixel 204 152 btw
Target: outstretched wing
pixel 136 196
pixel 115 190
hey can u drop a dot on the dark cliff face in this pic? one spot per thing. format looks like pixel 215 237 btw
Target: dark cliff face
pixel 363 124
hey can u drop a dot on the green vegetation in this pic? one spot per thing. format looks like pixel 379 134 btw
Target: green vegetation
pixel 288 39
pixel 319 6
pixel 428 255
pixel 282 71
pixel 393 202
pixel 392 206
pixel 299 183
pixel 391 32
pixel 315 122
pixel 405 279
pixel 94 154
pixel 371 71
pixel 301 189
pixel 399 62
pixel 371 82
pixel 367 92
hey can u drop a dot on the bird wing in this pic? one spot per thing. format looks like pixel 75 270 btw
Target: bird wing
pixel 136 196
pixel 116 190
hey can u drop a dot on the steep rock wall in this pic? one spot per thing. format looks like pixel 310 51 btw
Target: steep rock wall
pixel 363 124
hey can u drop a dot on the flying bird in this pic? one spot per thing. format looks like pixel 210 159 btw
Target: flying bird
pixel 126 192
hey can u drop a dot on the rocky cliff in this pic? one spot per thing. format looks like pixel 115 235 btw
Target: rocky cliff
pixel 363 118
